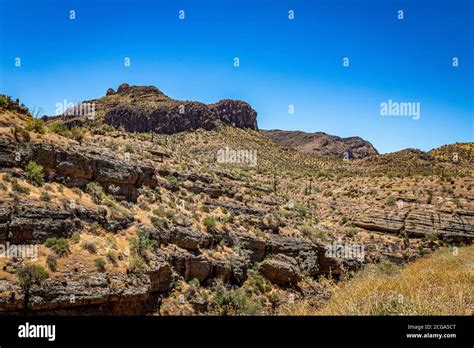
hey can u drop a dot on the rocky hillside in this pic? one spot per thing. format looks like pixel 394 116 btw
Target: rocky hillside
pixel 145 108
pixel 164 224
pixel 322 144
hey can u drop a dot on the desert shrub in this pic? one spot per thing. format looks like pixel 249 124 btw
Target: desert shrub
pixel 301 210
pixel 429 200
pixel 60 129
pixel 16 187
pixel 107 128
pixel 90 246
pixel 21 134
pixel 390 201
pixel 96 192
pixel 173 182
pixel 312 232
pixel 59 245
pixel 159 222
pixel 77 191
pixel 34 173
pixel 128 148
pixel 195 283
pixel 45 197
pixel 36 125
pixel 94 227
pixel 100 264
pixel 142 243
pixel 8 177
pixel 112 257
pixel 457 202
pixel 233 302
pixel 77 133
pixel 31 274
pixel 52 262
pixel 257 282
pixel 76 237
pixel 351 231
pixel 209 222
pixel 136 264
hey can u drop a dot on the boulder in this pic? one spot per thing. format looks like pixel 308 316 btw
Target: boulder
pixel 281 269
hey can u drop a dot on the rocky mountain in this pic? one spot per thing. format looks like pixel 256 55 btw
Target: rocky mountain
pixel 322 144
pixel 124 222
pixel 145 108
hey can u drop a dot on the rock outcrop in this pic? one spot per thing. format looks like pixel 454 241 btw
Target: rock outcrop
pixel 79 166
pixel 322 144
pixel 454 226
pixel 147 109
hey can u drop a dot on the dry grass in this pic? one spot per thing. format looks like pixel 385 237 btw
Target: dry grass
pixel 441 284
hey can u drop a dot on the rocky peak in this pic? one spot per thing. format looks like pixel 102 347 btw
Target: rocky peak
pixel 125 88
pixel 146 108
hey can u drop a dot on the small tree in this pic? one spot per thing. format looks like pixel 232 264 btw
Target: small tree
pixel 29 275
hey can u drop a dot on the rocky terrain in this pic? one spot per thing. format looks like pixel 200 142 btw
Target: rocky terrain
pixel 147 109
pixel 322 144
pixel 131 212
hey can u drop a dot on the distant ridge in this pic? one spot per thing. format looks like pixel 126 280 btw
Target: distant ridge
pixel 322 144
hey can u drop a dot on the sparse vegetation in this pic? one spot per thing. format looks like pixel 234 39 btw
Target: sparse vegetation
pixel 59 245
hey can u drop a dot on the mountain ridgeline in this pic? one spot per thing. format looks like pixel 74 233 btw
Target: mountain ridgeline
pixel 145 108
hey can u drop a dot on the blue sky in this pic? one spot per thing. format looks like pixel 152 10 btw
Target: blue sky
pixel 282 61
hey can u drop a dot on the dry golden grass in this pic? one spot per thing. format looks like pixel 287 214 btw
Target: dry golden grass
pixel 441 284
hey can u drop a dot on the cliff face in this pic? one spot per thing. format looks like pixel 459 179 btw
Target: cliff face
pixel 145 108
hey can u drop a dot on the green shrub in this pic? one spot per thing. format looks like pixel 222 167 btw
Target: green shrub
pixel 142 243
pixel 31 274
pixel 390 201
pixel 59 245
pixel 34 174
pixel 351 231
pixel 195 283
pixel 36 125
pixel 60 129
pixel 128 148
pixel 96 192
pixel 209 222
pixel 159 222
pixel 100 264
pixel 77 191
pixel 312 232
pixel 233 302
pixel 136 264
pixel 173 182
pixel 77 133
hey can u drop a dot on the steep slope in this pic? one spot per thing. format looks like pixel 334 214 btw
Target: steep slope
pixel 146 223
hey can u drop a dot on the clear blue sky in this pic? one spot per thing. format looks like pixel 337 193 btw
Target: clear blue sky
pixel 283 62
